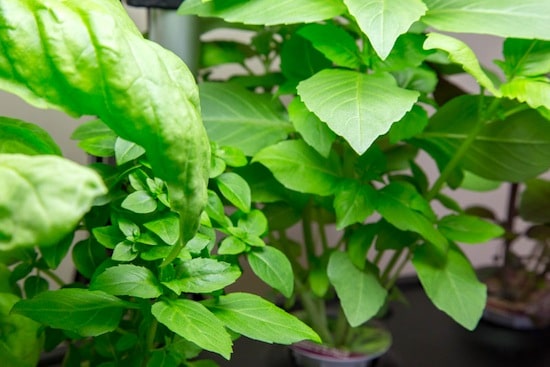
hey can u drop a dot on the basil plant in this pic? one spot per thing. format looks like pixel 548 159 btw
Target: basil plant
pixel 334 103
pixel 150 289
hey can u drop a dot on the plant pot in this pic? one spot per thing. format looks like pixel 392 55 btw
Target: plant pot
pixel 530 313
pixel 367 346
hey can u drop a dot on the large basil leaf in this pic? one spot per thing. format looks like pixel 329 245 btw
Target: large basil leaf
pixel 355 105
pixel 463 55
pixel 17 136
pixel 89 58
pixel 21 339
pixel 299 167
pixel 516 148
pixel 384 20
pixel 505 18
pixel 194 322
pixel 360 292
pixel 87 313
pixel 452 286
pixel 43 198
pixel 265 12
pixel 236 117
pixel 258 319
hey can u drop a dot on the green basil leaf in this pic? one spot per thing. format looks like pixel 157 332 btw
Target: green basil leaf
pixel 384 20
pixel 126 151
pixel 85 312
pixel 34 285
pixel 236 117
pixel 453 286
pixel 256 318
pixel 299 167
pixel 254 223
pixel 17 136
pixel 87 255
pixel 54 255
pixel 506 20
pixel 410 125
pixel 139 202
pixel 124 251
pixel 524 57
pixel 265 12
pixel 232 245
pixel 534 92
pixel 361 298
pixel 314 131
pixel 396 204
pixel 461 54
pixel 166 227
pixel 44 199
pixel 202 275
pixel 334 42
pixel 127 280
pixel 194 322
pixel 108 236
pixel 70 66
pixel 516 148
pixel 353 203
pixel 235 189
pixel 24 342
pixel 273 267
pixel 468 229
pixel 354 105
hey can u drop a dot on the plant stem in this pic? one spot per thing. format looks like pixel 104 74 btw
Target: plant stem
pixel 53 276
pixel 509 224
pixel 391 282
pixel 341 329
pixel 308 233
pixel 150 341
pixel 391 265
pixel 316 312
pixel 463 149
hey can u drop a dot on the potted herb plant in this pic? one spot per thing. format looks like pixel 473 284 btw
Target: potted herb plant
pixel 334 102
pixel 150 290
pixel 519 285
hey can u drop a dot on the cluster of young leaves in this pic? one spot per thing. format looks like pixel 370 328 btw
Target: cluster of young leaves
pixel 152 282
pixel 363 79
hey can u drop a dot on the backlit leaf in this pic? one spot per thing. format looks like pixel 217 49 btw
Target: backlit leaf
pixel 354 105
pixel 384 20
pixel 359 292
pixel 195 323
pixel 43 198
pixel 258 319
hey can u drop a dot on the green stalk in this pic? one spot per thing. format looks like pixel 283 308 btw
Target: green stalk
pixel 342 329
pixel 50 274
pixel 391 265
pixel 391 282
pixel 463 149
pixel 150 341
pixel 316 312
pixel 308 233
